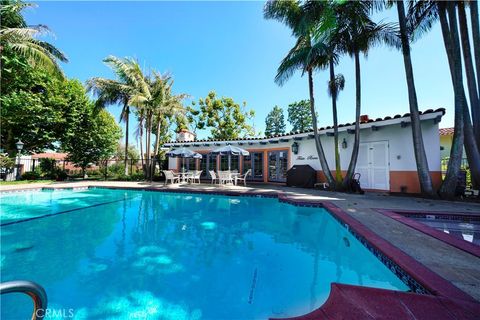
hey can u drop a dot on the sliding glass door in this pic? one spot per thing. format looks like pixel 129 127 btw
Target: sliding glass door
pixel 277 166
pixel 234 163
pixel 207 163
pixel 254 162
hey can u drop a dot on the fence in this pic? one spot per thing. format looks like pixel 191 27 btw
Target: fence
pixel 112 169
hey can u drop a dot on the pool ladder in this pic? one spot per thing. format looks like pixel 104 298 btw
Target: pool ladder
pixel 35 291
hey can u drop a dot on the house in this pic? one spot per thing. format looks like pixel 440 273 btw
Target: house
pixel 446 138
pixel 386 159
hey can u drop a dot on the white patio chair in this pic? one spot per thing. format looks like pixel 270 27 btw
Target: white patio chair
pixel 194 176
pixel 169 175
pixel 213 175
pixel 243 177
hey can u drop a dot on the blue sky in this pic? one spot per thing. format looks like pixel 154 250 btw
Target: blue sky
pixel 230 48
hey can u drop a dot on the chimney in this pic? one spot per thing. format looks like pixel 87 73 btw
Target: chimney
pixel 364 118
pixel 185 136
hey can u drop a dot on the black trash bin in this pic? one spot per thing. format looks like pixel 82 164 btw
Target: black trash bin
pixel 302 176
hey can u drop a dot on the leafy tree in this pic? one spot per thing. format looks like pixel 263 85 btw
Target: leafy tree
pixel 275 122
pixel 132 152
pixel 299 115
pixel 38 109
pixel 225 118
pixel 95 140
pixel 17 36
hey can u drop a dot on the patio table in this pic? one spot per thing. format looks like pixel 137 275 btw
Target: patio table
pixel 184 175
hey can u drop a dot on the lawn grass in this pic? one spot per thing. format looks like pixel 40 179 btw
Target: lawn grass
pixel 5 183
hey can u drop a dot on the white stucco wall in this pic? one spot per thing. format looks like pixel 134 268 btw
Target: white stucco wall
pixel 401 153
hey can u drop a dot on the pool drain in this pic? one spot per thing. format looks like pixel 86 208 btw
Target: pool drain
pixel 252 287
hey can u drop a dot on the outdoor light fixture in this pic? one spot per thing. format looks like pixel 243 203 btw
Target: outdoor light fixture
pixel 344 144
pixel 295 148
pixel 19 145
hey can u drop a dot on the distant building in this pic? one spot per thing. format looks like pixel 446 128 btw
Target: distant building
pixel 446 138
pixel 386 158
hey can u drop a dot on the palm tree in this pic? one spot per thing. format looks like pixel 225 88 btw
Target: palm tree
pixel 335 85
pixel 476 46
pixel 21 38
pixel 307 55
pixel 422 16
pixel 426 185
pixel 469 70
pixel 163 105
pixel 121 91
pixel 357 33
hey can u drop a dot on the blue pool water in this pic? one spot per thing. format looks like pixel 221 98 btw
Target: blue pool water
pixel 152 255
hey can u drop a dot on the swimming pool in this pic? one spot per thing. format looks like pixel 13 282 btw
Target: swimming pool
pixel 465 230
pixel 103 253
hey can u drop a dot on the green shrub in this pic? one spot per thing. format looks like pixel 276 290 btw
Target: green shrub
pixel 47 167
pixel 60 175
pixel 6 162
pixel 116 169
pixel 31 175
pixel 138 176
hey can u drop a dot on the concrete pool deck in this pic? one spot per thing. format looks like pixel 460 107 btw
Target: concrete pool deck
pixel 458 267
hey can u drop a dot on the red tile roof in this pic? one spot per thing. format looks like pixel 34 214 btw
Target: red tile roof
pixel 397 116
pixel 446 131
pixel 50 155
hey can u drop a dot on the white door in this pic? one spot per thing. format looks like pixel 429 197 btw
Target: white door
pixel 373 165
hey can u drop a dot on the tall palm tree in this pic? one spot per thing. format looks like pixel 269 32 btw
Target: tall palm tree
pixel 335 85
pixel 22 38
pixel 357 33
pixel 422 16
pixel 163 105
pixel 306 56
pixel 121 91
pixel 426 185
pixel 469 70
pixel 476 40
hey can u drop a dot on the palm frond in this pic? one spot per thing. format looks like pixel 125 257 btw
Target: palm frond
pixel 285 11
pixel 37 56
pixel 337 85
pixel 293 61
pixel 421 17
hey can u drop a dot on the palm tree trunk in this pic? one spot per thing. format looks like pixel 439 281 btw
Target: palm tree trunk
pixel 149 142
pixel 469 70
pixel 426 185
pixel 356 143
pixel 141 143
pixel 127 117
pixel 318 143
pixel 157 145
pixel 338 169
pixel 449 32
pixel 476 42
pixel 471 147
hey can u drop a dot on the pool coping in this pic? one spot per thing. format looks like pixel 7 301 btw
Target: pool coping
pixel 401 216
pixel 435 285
